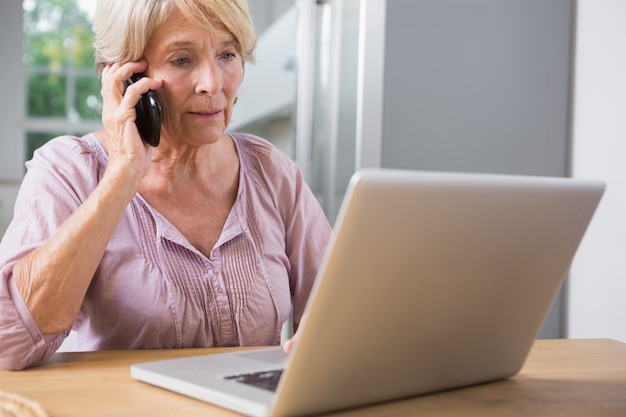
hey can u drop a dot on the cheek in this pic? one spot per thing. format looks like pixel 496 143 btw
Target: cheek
pixel 232 81
pixel 169 107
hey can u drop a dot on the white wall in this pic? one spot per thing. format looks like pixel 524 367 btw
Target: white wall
pixel 267 95
pixel 597 286
pixel 8 194
pixel 264 12
pixel 11 108
pixel 13 93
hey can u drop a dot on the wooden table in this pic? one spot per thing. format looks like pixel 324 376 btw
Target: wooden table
pixel 565 377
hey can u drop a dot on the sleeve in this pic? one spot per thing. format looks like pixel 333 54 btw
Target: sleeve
pixel 48 195
pixel 307 230
pixel 307 235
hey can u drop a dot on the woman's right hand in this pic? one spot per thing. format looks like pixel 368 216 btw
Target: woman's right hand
pixel 122 140
pixel 53 279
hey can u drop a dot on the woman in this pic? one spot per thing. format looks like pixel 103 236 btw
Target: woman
pixel 207 239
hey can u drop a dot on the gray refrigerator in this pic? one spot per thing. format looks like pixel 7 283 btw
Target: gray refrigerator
pixel 445 85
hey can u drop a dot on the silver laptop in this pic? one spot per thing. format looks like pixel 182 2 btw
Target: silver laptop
pixel 432 281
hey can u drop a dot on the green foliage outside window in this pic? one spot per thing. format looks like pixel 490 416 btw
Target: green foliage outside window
pixel 46 95
pixel 86 100
pixel 61 81
pixel 57 32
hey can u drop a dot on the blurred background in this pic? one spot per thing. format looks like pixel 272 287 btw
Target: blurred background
pixel 534 87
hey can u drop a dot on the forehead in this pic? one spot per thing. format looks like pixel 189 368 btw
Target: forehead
pixel 177 29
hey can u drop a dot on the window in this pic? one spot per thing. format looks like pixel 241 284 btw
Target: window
pixel 62 87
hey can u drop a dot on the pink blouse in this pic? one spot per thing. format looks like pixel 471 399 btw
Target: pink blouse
pixel 152 288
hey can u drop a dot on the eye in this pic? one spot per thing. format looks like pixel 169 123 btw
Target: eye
pixel 228 56
pixel 181 61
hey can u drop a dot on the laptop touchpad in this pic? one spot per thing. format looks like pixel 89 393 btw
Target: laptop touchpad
pixel 275 356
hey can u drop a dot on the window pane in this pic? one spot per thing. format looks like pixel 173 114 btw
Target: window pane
pixel 83 55
pixel 45 50
pixel 57 32
pixel 61 81
pixel 46 95
pixel 87 100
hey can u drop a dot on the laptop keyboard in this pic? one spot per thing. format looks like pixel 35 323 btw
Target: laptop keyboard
pixel 267 380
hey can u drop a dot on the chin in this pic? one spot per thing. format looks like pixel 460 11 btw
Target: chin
pixel 207 136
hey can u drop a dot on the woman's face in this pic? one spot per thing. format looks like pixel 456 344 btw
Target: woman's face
pixel 201 72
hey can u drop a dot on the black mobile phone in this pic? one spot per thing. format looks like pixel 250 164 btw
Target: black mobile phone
pixel 148 111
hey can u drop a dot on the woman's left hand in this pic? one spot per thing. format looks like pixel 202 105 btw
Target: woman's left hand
pixel 289 344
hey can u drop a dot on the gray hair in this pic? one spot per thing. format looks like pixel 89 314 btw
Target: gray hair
pixel 123 28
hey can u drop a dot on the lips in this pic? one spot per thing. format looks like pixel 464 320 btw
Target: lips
pixel 207 115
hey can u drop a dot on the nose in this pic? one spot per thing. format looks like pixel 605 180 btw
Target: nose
pixel 208 78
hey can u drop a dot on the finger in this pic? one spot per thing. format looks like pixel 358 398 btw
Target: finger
pixel 119 101
pixel 136 88
pixel 289 344
pixel 114 75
